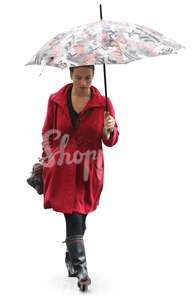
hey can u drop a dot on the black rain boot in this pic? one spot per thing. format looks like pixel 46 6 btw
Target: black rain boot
pixel 70 268
pixel 76 249
pixel 68 262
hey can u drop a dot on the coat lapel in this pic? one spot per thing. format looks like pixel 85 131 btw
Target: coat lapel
pixel 60 98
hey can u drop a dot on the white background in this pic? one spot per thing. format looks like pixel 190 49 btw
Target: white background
pixel 140 241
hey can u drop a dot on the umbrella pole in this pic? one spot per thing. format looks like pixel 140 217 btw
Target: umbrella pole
pixel 105 86
pixel 104 69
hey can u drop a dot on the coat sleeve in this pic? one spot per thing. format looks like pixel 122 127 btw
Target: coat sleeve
pixel 113 138
pixel 47 131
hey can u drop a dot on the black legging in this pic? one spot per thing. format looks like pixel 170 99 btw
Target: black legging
pixel 75 223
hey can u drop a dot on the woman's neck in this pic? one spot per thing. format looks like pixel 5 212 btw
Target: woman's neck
pixel 81 93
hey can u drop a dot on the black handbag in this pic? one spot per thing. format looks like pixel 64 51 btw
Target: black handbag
pixel 36 179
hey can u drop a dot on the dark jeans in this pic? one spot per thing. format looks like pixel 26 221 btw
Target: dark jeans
pixel 75 223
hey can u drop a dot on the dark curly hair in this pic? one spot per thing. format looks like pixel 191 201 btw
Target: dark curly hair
pixel 86 66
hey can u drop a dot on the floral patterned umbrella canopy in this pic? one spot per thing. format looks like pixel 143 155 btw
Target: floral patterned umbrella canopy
pixel 103 42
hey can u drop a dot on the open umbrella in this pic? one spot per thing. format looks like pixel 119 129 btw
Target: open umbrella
pixel 103 42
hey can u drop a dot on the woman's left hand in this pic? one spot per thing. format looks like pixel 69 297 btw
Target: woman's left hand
pixel 109 122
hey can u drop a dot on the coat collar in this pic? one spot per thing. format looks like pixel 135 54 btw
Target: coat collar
pixel 97 100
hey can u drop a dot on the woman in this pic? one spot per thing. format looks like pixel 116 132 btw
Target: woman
pixel 76 124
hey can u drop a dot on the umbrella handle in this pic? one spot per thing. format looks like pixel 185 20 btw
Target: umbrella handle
pixel 107 131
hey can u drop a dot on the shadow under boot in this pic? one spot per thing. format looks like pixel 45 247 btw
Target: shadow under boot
pixel 76 249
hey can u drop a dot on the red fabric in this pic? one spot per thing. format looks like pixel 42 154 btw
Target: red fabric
pixel 71 184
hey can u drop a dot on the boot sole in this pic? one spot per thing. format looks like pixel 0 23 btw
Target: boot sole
pixel 83 285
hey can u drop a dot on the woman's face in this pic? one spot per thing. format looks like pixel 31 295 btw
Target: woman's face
pixel 82 78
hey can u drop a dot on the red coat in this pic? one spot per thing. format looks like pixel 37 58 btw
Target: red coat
pixel 73 178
